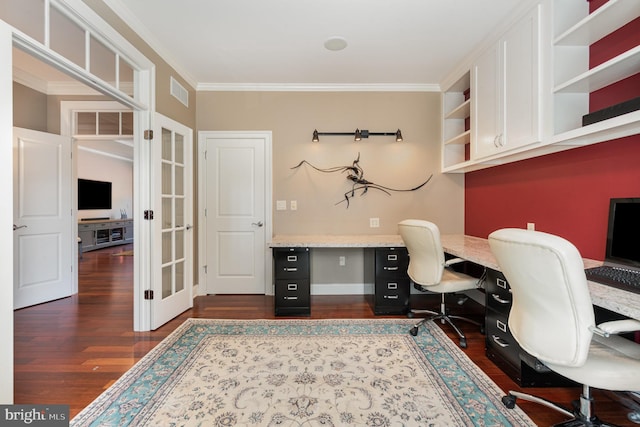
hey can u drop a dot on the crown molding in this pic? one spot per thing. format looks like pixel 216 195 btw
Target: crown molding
pixel 317 87
pixel 119 8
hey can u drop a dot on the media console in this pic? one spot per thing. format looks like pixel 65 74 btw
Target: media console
pixel 103 233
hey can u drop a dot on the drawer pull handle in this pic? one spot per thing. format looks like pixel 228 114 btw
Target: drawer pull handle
pixel 502 283
pixel 391 296
pixel 391 268
pixel 291 298
pixel 499 341
pixel 501 325
pixel 392 286
pixel 290 269
pixel 500 300
pixel 292 258
pixel 292 287
pixel 393 257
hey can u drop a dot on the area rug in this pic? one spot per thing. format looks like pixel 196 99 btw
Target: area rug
pixel 303 373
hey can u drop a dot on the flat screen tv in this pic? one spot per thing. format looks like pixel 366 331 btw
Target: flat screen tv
pixel 623 234
pixel 93 194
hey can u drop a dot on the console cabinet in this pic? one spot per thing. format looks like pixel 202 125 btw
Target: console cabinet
pixel 98 234
pixel 292 276
pixel 502 348
pixel 387 269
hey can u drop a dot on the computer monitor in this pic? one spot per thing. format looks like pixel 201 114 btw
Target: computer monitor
pixel 623 234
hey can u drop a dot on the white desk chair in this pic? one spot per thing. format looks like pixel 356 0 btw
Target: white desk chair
pixel 552 319
pixel 430 273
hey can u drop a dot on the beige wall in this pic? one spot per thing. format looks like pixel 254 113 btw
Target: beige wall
pixel 29 108
pixel 292 117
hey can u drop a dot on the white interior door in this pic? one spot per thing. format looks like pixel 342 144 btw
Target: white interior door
pixel 236 185
pixel 43 243
pixel 172 247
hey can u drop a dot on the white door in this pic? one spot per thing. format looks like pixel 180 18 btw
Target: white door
pixel 43 243
pixel 236 183
pixel 172 237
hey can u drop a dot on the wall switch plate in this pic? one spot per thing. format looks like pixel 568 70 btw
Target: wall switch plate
pixel 531 226
pixel 281 205
pixel 293 205
pixel 342 261
pixel 374 222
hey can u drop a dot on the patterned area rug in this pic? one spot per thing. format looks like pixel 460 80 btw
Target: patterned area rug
pixel 303 373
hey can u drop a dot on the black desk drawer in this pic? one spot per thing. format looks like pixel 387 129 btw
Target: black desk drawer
pixel 392 292
pixel 291 263
pixel 499 337
pixel 292 293
pixel 391 262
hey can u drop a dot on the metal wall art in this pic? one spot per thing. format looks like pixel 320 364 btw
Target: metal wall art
pixel 355 174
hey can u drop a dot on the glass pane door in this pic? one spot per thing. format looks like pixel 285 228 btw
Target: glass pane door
pixel 173 213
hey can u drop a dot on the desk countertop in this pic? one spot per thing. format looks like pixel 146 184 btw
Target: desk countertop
pixel 337 241
pixel 474 249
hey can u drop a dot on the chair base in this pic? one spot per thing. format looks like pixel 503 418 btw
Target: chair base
pixel 444 318
pixel 581 416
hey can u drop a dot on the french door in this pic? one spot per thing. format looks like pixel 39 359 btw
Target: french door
pixel 172 239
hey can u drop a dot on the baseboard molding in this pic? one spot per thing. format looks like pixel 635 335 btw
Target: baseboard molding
pixel 342 289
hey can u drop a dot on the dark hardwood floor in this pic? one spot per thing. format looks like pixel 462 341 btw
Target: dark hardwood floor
pixel 70 350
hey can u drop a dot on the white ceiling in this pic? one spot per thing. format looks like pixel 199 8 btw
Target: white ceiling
pixel 218 44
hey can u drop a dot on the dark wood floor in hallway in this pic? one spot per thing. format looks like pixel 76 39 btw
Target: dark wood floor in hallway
pixel 70 350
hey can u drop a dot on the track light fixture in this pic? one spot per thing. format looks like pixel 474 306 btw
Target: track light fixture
pixel 357 135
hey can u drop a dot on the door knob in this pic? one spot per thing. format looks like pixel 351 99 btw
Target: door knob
pixel 259 223
pixel 16 227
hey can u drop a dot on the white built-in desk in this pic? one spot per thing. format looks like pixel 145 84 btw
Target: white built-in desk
pixel 471 248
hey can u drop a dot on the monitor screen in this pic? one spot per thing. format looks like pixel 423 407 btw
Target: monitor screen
pixel 93 194
pixel 623 234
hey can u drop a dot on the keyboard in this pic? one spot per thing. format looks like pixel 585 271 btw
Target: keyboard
pixel 617 277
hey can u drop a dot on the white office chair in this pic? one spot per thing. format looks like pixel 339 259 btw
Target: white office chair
pixel 552 319
pixel 430 273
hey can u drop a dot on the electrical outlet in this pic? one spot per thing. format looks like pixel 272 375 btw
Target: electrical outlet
pixel 281 205
pixel 293 205
pixel 374 222
pixel 342 261
pixel 531 226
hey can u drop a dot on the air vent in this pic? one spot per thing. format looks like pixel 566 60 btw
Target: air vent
pixel 179 92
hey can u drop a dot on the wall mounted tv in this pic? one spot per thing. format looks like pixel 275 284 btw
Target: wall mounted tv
pixel 93 194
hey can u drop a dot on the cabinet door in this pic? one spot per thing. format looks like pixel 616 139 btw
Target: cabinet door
pixel 520 50
pixel 507 90
pixel 485 114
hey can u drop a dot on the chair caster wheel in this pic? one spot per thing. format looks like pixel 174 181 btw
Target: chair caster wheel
pixel 413 331
pixel 509 401
pixel 463 343
pixel 411 315
pixel 482 329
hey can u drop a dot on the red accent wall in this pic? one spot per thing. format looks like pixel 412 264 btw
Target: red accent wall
pixel 566 193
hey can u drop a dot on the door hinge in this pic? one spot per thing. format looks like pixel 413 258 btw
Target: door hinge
pixel 148 134
pixel 148 294
pixel 148 215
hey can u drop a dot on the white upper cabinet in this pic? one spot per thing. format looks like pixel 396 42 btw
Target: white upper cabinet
pixel 531 86
pixel 506 90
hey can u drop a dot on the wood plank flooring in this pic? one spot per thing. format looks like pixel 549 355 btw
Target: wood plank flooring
pixel 70 350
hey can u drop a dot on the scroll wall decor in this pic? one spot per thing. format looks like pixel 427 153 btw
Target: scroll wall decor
pixel 355 174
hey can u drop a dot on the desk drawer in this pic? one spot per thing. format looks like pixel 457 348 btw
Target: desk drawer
pixel 392 292
pixel 291 263
pixel 498 292
pixel 292 293
pixel 500 339
pixel 391 262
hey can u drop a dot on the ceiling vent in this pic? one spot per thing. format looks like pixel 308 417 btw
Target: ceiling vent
pixel 179 92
